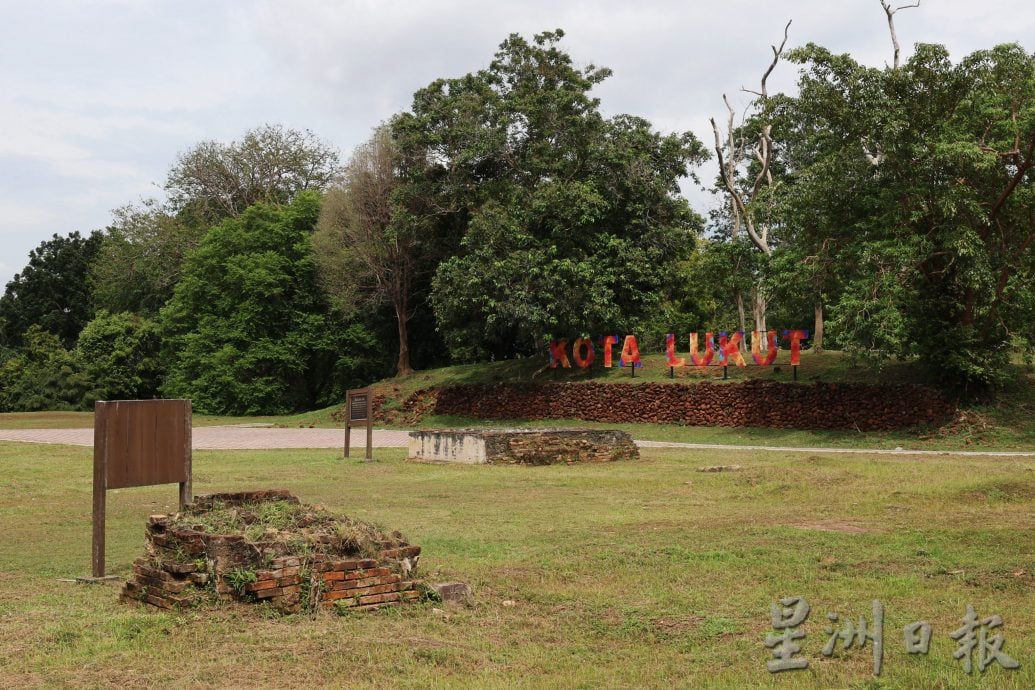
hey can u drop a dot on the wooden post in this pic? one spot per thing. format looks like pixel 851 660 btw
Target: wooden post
pixel 187 486
pixel 348 432
pixel 100 456
pixel 370 426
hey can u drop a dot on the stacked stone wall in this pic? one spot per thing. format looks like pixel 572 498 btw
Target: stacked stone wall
pixel 859 407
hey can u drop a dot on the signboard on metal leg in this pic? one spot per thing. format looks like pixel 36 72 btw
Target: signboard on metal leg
pixel 138 443
pixel 359 412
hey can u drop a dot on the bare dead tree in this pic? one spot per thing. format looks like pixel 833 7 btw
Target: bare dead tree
pixel 745 198
pixel 890 12
pixel 362 255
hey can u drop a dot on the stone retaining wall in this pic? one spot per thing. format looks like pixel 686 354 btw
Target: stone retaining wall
pixel 860 407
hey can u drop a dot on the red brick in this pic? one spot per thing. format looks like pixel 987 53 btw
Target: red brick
pixel 266 593
pixel 165 586
pixel 333 575
pixel 378 598
pixel 369 572
pixel 401 552
pixel 292 580
pixel 367 591
pixel 178 568
pixel 260 585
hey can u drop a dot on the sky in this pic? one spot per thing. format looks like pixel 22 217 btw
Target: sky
pixel 97 97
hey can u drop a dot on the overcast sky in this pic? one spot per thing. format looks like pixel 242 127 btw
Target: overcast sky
pixel 97 97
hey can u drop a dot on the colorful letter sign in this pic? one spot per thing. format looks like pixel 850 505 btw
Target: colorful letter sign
pixel 727 349
pixel 583 362
pixel 756 347
pixel 631 352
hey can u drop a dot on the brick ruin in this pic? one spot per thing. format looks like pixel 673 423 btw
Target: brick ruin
pixel 296 557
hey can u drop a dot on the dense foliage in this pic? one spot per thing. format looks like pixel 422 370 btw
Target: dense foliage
pixel 247 331
pixel 51 291
pixel 568 222
pixel 503 209
pixel 916 182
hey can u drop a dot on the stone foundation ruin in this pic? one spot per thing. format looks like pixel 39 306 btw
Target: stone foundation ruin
pixel 521 446
pixel 266 546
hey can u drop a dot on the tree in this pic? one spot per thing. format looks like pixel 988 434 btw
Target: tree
pixel 51 291
pixel 927 171
pixel 41 375
pixel 567 222
pixel 270 165
pixel 747 177
pixel 118 357
pixel 140 258
pixel 246 331
pixel 366 251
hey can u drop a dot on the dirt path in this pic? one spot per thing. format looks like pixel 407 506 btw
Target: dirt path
pixel 262 438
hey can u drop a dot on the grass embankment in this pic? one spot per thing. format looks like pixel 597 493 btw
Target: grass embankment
pixel 1006 424
pixel 631 574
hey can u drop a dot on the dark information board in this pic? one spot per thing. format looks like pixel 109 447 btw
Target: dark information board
pixel 359 406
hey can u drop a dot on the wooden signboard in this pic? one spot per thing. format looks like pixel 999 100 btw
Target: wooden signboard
pixel 359 411
pixel 138 443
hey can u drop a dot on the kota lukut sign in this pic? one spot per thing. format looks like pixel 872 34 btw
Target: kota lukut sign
pixel 721 353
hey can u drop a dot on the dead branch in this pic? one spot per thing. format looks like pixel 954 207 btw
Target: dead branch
pixel 888 10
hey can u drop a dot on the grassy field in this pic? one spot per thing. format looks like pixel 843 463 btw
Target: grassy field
pixel 636 574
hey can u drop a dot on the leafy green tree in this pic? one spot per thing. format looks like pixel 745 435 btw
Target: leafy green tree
pixel 246 331
pixel 117 355
pixel 41 375
pixel 51 291
pixel 921 178
pixel 567 222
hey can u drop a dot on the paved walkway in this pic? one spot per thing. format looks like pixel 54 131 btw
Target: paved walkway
pixel 230 437
pixel 261 438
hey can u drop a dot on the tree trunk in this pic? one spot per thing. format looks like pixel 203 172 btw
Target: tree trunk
pixel 758 309
pixel 743 319
pixel 817 333
pixel 402 367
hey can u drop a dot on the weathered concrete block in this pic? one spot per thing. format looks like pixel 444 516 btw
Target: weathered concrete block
pixel 521 446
